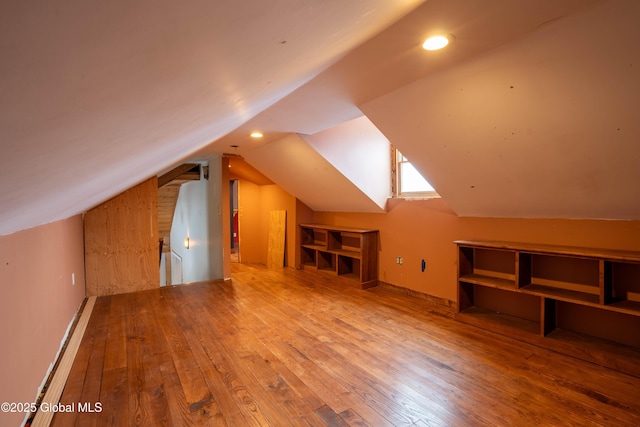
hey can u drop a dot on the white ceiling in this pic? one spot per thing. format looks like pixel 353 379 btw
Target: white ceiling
pixel 394 58
pixel 97 96
pixel 346 168
pixel 299 169
pixel 543 127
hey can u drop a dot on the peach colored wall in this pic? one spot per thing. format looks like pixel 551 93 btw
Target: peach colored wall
pixel 37 304
pixel 426 229
pixel 254 204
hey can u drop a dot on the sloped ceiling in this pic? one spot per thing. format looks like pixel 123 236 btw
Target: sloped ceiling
pixel 240 169
pixel 95 97
pixel 395 58
pixel 360 152
pixel 546 126
pixel 302 171
pixel 346 168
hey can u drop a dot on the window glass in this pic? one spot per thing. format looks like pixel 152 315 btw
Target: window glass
pixel 410 182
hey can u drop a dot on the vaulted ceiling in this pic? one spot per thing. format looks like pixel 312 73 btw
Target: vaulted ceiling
pixel 527 102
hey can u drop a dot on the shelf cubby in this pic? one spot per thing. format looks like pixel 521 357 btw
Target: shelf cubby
pixel 349 267
pixel 603 324
pixel 574 278
pixel 326 261
pixel 489 267
pixel 308 256
pixel 622 285
pixel 504 309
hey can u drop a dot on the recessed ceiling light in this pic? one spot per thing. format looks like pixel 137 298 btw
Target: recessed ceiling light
pixel 436 42
pixel 256 134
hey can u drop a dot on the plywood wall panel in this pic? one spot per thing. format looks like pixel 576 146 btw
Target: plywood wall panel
pixel 121 242
pixel 167 198
pixel 276 246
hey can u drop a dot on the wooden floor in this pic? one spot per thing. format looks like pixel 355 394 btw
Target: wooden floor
pixel 282 347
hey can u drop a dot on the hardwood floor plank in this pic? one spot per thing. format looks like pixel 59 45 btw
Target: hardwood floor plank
pixel 145 351
pixel 243 394
pixel 281 347
pixel 323 384
pixel 240 385
pixel 79 372
pixel 293 403
pixel 195 336
pixel 351 418
pixel 329 417
pixel 191 379
pixel 94 372
pixel 116 352
pixel 114 395
pixel 229 409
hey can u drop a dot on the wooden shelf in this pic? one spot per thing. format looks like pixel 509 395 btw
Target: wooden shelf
pixel 315 247
pixel 350 276
pixel 561 294
pixel 554 296
pixel 348 253
pixel 490 281
pixel 574 251
pixel 627 307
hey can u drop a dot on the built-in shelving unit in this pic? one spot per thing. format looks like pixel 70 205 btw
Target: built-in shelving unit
pixel 581 301
pixel 348 253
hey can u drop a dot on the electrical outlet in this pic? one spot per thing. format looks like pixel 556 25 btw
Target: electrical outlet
pixel 399 260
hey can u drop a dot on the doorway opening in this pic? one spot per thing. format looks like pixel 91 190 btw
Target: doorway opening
pixel 235 229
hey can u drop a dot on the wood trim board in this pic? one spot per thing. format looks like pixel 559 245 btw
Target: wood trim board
pixel 55 388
